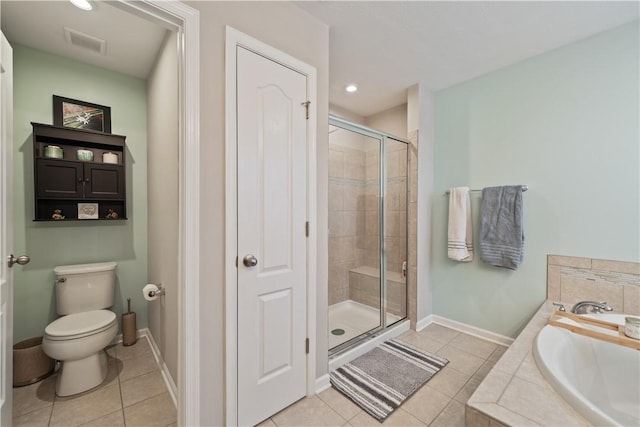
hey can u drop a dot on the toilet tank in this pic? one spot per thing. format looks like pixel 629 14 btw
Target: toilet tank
pixel 84 287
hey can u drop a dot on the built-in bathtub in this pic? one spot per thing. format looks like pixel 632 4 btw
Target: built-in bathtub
pixel 600 380
pixel 515 392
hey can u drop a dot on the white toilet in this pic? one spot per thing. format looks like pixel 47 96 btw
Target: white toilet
pixel 79 337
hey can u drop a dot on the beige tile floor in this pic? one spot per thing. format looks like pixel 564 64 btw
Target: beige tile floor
pixel 440 403
pixel 134 394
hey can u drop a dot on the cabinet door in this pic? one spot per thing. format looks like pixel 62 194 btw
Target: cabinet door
pixel 103 181
pixel 59 179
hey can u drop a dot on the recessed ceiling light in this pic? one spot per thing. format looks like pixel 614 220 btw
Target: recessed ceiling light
pixel 82 4
pixel 351 88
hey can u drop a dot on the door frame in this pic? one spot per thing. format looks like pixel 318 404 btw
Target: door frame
pixel 6 232
pixel 235 38
pixel 185 20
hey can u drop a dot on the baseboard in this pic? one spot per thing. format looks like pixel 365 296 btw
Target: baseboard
pixel 157 355
pixel 463 327
pixel 322 383
pixel 168 379
pixel 424 322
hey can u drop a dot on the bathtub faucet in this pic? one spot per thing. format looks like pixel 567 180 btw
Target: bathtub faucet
pixel 596 307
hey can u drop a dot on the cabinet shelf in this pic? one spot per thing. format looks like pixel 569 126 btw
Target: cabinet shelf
pixel 85 200
pixel 62 181
pixel 78 220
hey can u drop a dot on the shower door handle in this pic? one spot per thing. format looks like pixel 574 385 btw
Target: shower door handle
pixel 250 260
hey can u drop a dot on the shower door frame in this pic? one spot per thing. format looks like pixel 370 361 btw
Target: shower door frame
pixel 382 175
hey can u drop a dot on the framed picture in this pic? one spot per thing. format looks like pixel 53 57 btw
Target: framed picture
pixel 71 113
pixel 87 211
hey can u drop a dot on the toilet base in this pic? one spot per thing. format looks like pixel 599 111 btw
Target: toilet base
pixel 76 376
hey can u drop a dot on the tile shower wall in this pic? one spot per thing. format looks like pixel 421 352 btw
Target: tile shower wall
pixel 346 217
pixel 364 287
pixel 354 227
pixel 370 243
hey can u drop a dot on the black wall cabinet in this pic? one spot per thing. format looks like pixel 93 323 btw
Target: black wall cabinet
pixel 62 181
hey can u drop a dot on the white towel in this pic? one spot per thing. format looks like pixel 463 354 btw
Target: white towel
pixel 460 244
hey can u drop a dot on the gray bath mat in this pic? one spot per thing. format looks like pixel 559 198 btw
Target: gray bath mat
pixel 380 380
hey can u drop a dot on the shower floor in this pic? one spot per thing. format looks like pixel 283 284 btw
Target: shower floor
pixel 355 319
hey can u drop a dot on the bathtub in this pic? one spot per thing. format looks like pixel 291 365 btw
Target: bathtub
pixel 600 380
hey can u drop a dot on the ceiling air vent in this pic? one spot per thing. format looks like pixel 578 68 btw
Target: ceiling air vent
pixel 85 41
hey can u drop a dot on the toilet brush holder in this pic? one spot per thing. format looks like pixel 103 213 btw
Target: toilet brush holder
pixel 129 335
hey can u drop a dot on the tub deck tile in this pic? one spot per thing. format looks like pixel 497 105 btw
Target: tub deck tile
pixel 515 393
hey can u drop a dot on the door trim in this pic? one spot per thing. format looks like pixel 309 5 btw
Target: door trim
pixel 6 230
pixel 235 38
pixel 184 19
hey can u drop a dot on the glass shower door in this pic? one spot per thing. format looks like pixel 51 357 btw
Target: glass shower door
pixel 368 182
pixel 355 286
pixel 395 230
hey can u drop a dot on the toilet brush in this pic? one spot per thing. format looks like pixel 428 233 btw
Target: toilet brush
pixel 129 326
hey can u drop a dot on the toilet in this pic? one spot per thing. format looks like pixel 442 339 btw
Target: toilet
pixel 79 337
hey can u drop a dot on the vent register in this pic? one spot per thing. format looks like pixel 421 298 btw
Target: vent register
pixel 85 41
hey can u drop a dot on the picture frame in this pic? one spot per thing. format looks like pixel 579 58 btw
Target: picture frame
pixel 76 114
pixel 88 211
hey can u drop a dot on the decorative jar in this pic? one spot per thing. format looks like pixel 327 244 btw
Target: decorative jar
pixel 85 155
pixel 53 151
pixel 110 158
pixel 632 327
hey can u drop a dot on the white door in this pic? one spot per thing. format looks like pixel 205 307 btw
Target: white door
pixel 272 270
pixel 6 230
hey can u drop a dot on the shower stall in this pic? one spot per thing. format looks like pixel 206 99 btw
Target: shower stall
pixel 368 188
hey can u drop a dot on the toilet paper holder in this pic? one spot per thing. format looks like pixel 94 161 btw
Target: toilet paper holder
pixel 153 293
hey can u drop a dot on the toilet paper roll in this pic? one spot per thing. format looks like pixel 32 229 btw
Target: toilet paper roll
pixel 150 289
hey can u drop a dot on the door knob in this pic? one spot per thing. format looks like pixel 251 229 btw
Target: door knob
pixel 250 261
pixel 22 260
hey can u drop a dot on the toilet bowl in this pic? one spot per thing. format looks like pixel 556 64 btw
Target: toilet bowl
pixel 78 341
pixel 78 338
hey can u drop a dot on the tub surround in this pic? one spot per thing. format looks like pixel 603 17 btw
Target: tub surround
pixel 515 392
pixel 573 279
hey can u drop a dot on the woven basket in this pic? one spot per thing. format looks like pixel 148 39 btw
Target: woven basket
pixel 30 364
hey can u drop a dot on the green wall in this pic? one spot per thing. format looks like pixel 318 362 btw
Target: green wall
pixel 38 76
pixel 567 124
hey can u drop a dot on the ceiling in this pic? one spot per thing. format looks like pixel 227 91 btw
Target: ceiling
pixel 384 47
pixel 132 43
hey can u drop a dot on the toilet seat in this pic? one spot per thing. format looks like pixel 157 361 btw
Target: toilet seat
pixel 80 325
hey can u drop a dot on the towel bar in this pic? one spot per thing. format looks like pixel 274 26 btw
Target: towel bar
pixel 524 188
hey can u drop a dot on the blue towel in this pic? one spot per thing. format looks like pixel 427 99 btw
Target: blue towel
pixel 501 239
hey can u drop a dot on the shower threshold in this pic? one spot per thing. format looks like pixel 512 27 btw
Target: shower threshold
pixel 353 319
pixel 365 343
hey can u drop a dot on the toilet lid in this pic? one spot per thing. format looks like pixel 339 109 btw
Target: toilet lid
pixel 80 323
